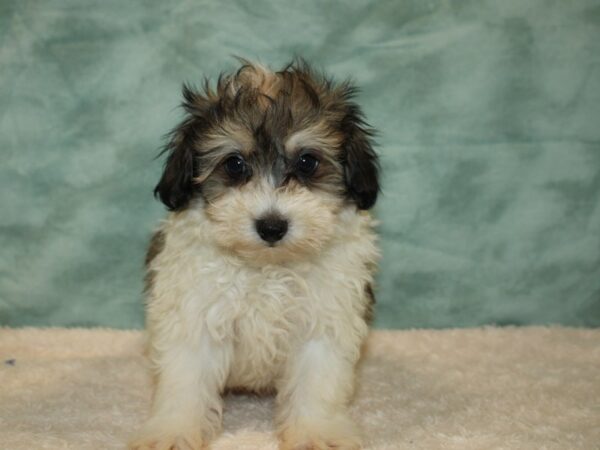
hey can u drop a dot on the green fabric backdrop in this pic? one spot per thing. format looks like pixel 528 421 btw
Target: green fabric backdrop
pixel 489 113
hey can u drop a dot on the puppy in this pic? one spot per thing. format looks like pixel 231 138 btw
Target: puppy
pixel 260 277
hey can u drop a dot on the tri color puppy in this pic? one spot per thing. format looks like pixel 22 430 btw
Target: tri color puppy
pixel 260 277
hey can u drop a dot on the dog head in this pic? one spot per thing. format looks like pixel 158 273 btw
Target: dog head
pixel 272 158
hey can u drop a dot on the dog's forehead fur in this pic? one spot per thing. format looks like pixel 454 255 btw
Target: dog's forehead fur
pixel 271 113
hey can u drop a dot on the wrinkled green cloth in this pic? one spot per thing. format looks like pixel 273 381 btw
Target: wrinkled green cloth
pixel 489 120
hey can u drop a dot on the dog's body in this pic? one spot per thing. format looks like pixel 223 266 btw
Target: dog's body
pixel 260 278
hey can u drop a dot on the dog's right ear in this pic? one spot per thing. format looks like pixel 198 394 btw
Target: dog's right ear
pixel 176 186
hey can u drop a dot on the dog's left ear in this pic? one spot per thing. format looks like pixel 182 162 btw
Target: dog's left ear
pixel 361 163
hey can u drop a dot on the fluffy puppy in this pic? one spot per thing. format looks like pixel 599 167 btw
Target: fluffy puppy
pixel 260 277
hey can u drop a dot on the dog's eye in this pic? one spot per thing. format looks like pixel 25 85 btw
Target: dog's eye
pixel 307 164
pixel 235 166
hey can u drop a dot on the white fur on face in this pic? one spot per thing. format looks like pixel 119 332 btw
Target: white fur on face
pixel 311 216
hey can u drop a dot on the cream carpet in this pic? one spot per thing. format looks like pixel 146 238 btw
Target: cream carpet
pixel 490 388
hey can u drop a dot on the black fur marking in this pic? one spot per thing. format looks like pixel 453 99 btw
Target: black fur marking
pixel 176 187
pixel 370 309
pixel 361 162
pixel 157 244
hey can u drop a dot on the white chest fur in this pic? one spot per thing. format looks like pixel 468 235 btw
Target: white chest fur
pixel 259 314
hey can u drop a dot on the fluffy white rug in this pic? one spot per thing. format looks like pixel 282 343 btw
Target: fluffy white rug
pixel 508 388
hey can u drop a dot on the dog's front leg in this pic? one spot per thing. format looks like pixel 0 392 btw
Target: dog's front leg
pixel 187 405
pixel 313 398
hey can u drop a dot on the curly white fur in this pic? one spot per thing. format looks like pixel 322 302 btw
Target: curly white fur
pixel 215 322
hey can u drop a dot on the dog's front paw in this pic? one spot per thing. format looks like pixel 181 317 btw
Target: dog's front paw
pixel 330 434
pixel 149 439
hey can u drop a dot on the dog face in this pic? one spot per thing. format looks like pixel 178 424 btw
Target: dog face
pixel 272 158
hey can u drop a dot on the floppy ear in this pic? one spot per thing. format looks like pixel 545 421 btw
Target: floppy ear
pixel 176 187
pixel 361 162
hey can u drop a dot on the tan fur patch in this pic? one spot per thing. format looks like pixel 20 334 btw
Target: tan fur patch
pixel 260 79
pixel 320 136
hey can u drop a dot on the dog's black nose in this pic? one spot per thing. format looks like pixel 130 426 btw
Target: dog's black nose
pixel 271 228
